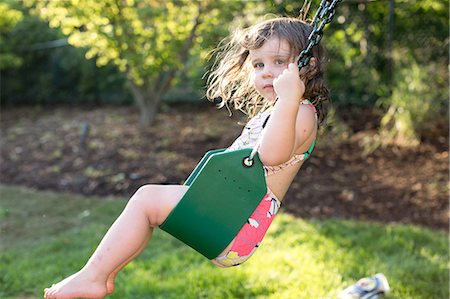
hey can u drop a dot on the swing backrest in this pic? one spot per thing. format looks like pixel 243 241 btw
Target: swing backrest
pixel 222 195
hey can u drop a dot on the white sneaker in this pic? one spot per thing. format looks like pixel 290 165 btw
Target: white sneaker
pixel 367 288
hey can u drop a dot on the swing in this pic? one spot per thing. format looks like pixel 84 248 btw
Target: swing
pixel 227 186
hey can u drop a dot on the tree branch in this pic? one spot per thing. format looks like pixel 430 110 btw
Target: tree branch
pixel 183 54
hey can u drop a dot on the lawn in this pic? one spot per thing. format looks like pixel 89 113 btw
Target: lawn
pixel 46 236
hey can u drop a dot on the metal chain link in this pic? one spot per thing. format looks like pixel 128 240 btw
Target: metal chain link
pixel 323 16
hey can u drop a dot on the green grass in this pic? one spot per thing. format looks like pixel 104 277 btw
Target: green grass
pixel 47 236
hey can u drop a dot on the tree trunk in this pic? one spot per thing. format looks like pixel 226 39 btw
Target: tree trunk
pixel 148 113
pixel 147 101
pixel 148 97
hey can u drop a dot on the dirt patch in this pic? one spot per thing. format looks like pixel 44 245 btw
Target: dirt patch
pixel 103 151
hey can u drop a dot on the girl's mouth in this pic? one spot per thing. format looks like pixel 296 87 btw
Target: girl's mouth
pixel 268 86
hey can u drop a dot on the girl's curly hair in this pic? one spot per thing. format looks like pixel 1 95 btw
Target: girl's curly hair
pixel 230 80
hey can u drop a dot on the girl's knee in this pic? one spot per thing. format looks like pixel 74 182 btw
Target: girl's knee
pixel 145 199
pixel 142 195
pixel 143 191
pixel 156 201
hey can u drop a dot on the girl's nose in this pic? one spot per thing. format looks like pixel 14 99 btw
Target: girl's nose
pixel 267 72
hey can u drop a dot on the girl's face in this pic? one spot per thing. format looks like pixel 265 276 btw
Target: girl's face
pixel 268 63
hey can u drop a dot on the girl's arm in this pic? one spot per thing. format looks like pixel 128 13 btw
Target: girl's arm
pixel 290 124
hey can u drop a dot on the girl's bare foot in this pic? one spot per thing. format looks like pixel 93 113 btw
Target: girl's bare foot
pixel 78 285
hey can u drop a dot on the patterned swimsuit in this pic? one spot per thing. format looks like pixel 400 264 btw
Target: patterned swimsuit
pixel 250 236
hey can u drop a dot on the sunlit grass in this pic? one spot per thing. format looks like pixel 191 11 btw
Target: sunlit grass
pixel 47 236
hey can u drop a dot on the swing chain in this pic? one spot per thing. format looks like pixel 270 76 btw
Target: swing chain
pixel 323 16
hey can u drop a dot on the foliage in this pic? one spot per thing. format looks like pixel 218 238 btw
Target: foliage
pixel 50 72
pixel 9 18
pixel 148 40
pixel 416 104
pixel 46 240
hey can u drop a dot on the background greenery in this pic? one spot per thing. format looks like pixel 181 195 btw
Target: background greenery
pixel 303 259
pixel 386 55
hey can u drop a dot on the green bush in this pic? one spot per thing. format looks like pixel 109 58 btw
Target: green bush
pixel 418 103
pixel 49 72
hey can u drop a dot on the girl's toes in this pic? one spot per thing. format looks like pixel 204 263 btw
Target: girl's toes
pixel 49 294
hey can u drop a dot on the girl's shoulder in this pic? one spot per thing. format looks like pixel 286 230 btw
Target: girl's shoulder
pixel 306 125
pixel 307 114
pixel 307 103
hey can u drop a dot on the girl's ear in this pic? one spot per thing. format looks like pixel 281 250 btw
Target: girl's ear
pixel 309 71
pixel 312 62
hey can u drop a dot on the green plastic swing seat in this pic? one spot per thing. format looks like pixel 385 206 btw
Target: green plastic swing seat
pixel 223 193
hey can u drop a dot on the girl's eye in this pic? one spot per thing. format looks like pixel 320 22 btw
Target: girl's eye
pixel 258 65
pixel 280 61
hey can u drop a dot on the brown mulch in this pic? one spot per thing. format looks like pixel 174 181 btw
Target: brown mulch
pixel 43 148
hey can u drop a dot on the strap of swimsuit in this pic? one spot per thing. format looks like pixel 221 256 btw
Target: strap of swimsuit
pixel 310 149
pixel 258 143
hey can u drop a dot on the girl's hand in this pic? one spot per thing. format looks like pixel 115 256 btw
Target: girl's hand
pixel 288 86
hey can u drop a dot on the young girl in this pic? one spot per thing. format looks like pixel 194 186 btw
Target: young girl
pixel 256 73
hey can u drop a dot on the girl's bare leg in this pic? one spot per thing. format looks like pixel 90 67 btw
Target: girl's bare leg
pixel 112 276
pixel 125 239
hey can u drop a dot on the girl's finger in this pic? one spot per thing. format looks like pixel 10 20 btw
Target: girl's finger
pixel 292 67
